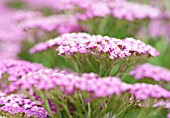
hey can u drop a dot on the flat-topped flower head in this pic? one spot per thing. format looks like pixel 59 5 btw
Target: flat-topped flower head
pixel 70 83
pixel 18 68
pixel 42 78
pixel 98 48
pixel 12 70
pixel 144 91
pixel 88 87
pixel 103 8
pixel 92 44
pixel 57 41
pixel 147 70
pixel 19 104
pixel 50 84
pixel 85 43
pixel 120 14
pixel 131 11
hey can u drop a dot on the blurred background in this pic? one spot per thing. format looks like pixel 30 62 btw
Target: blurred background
pixel 25 23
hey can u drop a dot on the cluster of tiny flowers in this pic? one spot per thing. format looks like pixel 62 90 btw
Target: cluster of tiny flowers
pixel 19 104
pixel 102 8
pixel 130 11
pixel 11 70
pixel 85 43
pixel 41 77
pixel 69 83
pixel 63 4
pixel 147 70
pixel 59 23
pixel 18 68
pixel 46 79
pixel 144 91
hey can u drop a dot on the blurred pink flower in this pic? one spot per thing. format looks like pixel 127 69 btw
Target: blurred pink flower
pixel 59 23
pixel 160 27
pixel 147 70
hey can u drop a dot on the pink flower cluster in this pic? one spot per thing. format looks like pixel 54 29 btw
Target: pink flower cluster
pixel 132 11
pixel 102 8
pixel 19 104
pixel 12 70
pixel 46 79
pixel 18 68
pixel 84 43
pixel 144 91
pixel 37 79
pixel 59 23
pixel 147 70
pixel 63 4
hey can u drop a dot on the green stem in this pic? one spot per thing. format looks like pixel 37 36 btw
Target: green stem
pixel 89 110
